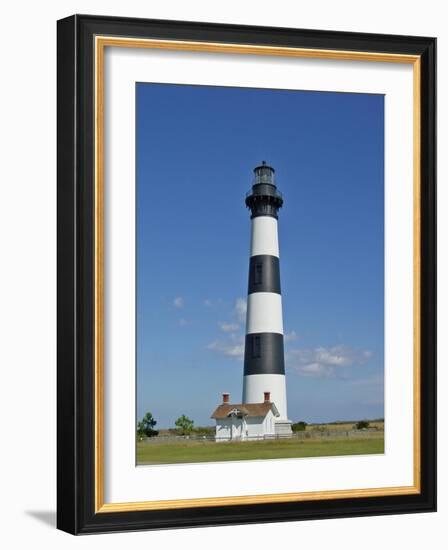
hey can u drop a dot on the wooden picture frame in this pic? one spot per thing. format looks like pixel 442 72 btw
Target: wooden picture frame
pixel 82 40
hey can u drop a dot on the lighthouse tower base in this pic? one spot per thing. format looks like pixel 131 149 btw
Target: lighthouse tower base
pixel 283 428
pixel 273 388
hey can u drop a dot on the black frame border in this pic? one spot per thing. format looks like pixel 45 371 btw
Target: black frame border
pixel 75 270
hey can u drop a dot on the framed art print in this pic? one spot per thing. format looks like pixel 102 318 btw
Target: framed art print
pixel 246 274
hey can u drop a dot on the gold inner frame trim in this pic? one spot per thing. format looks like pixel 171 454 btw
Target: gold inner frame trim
pixel 101 42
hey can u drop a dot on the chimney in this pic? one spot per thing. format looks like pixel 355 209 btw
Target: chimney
pixel 225 397
pixel 267 396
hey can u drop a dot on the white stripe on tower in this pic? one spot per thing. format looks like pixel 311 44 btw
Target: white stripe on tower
pixel 264 313
pixel 264 236
pixel 264 369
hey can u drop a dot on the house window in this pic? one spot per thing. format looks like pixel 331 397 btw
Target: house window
pixel 256 347
pixel 258 274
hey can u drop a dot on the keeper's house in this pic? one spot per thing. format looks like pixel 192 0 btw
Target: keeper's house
pixel 243 421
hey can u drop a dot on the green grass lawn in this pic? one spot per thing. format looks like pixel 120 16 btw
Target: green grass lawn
pixel 175 452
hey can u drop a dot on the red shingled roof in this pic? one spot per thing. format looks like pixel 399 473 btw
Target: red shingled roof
pixel 245 409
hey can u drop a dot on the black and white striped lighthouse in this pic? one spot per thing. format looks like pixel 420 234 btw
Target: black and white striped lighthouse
pixel 264 365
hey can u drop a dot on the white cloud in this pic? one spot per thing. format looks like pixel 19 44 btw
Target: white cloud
pixel 290 336
pixel 373 381
pixel 317 370
pixel 229 327
pixel 183 322
pixel 215 302
pixel 241 309
pixel 324 362
pixel 178 302
pixel 234 347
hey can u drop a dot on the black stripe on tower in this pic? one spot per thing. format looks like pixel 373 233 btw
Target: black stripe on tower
pixel 263 354
pixel 264 274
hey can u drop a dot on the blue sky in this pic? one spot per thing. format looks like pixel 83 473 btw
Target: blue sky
pixel 196 149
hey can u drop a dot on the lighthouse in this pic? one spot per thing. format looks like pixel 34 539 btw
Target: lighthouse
pixel 263 411
pixel 264 365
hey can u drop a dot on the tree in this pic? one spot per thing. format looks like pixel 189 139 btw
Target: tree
pixel 146 426
pixel 362 425
pixel 184 425
pixel 299 426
